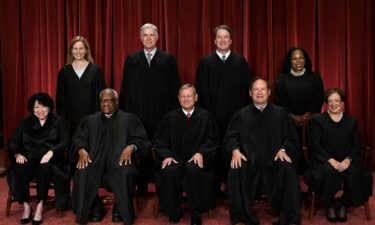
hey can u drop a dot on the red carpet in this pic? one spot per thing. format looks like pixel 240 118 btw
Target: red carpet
pixel 145 213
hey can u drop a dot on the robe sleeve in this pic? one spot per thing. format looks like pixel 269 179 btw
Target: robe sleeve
pixel 63 138
pixel 127 91
pixel 60 95
pixel 202 86
pixel 123 89
pixel 246 82
pixel 280 92
pixel 161 140
pixel 174 83
pixel 232 139
pixel 290 142
pixel 211 142
pixel 99 85
pixel 355 151
pixel 317 149
pixel 137 135
pixel 318 99
pixel 15 142
pixel 79 140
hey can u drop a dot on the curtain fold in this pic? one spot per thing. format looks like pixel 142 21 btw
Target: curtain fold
pixel 337 34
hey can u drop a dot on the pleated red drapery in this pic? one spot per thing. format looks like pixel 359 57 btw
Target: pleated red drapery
pixel 338 35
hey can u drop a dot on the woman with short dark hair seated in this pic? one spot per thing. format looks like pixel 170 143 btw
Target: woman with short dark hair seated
pixel 38 141
pixel 336 159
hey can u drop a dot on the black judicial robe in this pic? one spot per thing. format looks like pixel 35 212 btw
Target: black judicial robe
pixel 299 94
pixel 180 137
pixel 149 92
pixel 259 136
pixel 223 88
pixel 78 97
pixel 338 140
pixel 104 139
pixel 33 141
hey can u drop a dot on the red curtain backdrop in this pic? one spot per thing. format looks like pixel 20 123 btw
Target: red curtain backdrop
pixel 338 35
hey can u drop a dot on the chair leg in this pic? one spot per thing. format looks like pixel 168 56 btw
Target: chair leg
pixel 367 211
pixel 312 206
pixel 60 213
pixel 135 205
pixel 9 202
pixel 156 207
pixel 210 215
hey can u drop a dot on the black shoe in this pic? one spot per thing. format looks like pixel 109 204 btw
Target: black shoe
pixel 28 219
pixel 331 215
pixel 196 219
pixel 96 216
pixel 36 222
pixel 97 211
pixel 341 217
pixel 116 217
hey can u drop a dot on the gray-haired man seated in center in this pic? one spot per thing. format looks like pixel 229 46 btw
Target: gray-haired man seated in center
pixel 185 142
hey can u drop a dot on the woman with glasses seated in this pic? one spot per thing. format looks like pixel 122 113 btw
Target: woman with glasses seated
pixel 336 158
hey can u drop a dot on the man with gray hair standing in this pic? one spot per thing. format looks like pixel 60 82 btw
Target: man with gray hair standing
pixel 149 88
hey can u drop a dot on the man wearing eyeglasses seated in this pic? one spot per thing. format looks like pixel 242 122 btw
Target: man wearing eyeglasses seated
pixel 105 145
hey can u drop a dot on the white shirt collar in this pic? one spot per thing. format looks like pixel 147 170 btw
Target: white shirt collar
pixel 221 55
pixel 108 115
pixel 186 112
pixel 153 51
pixel 260 106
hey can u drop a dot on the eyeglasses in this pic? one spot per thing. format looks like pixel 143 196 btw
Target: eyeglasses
pixel 110 101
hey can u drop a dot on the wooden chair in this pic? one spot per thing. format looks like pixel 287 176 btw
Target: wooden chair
pixel 109 199
pixel 157 206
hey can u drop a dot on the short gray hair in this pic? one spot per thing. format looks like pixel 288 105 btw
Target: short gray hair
pixel 149 25
pixel 109 90
pixel 187 86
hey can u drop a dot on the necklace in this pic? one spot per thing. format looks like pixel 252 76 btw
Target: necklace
pixel 297 74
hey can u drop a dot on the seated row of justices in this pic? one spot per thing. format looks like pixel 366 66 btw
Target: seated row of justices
pixel 260 146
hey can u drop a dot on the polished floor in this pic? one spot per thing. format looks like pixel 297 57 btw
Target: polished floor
pixel 146 206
